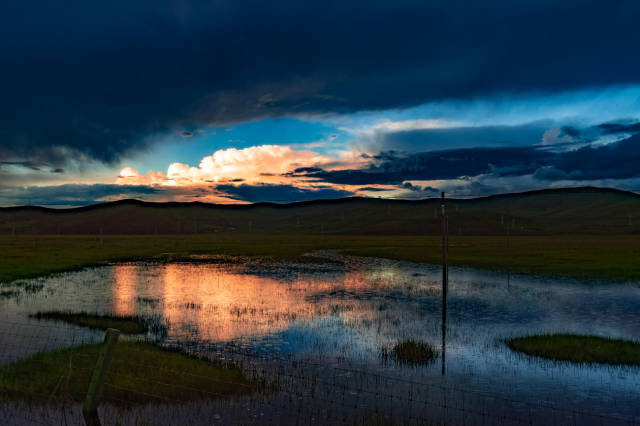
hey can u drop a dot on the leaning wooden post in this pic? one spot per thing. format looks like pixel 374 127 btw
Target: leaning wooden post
pixel 96 387
pixel 445 278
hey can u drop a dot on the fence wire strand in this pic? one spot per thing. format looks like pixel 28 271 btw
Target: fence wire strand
pixel 276 389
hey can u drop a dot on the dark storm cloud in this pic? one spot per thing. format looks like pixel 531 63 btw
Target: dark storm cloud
pixel 613 128
pixel 99 77
pixel 461 137
pixel 8 167
pixel 279 193
pixel 571 131
pixel 373 189
pixel 300 171
pixel 419 189
pixel 32 165
pixel 617 160
pixel 395 168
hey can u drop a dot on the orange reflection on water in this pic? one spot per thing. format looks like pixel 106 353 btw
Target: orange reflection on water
pixel 125 283
pixel 221 303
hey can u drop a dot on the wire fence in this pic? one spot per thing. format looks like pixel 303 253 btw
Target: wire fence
pixel 45 369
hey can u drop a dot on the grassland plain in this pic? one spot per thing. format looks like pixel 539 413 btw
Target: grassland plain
pixel 66 373
pixel 613 257
pixel 579 349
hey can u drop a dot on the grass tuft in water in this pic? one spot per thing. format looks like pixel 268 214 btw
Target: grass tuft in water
pixel 413 352
pixel 139 373
pixel 126 324
pixel 578 348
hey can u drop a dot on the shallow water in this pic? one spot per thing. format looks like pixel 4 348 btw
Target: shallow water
pixel 344 313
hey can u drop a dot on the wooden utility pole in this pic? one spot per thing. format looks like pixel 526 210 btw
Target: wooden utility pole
pixel 99 378
pixel 445 278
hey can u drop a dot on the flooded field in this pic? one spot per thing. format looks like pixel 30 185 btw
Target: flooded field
pixel 324 326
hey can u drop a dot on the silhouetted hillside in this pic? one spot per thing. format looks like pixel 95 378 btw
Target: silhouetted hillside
pixel 553 211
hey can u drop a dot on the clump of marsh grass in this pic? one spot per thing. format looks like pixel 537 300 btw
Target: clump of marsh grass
pixel 578 348
pixel 410 352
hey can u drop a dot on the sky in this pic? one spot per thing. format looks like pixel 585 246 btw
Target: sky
pixel 282 101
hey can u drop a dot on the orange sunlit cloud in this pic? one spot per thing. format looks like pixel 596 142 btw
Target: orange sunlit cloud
pixel 256 165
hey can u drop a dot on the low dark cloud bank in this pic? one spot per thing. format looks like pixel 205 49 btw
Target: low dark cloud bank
pixel 618 160
pixel 98 78
pixel 70 194
pixel 279 193
pixel 614 128
pixel 462 137
pixel 81 195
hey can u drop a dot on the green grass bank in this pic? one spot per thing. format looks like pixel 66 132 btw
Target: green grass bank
pixel 578 348
pixel 139 373
pixel 594 257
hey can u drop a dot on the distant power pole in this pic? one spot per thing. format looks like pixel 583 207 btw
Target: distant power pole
pixel 444 225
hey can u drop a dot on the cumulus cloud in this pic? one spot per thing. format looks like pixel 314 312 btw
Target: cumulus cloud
pixel 131 176
pixel 256 164
pixel 245 163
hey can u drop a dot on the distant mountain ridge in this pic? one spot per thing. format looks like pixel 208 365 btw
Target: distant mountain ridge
pixel 587 210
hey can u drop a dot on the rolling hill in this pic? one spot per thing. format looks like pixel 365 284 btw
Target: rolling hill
pixel 585 210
